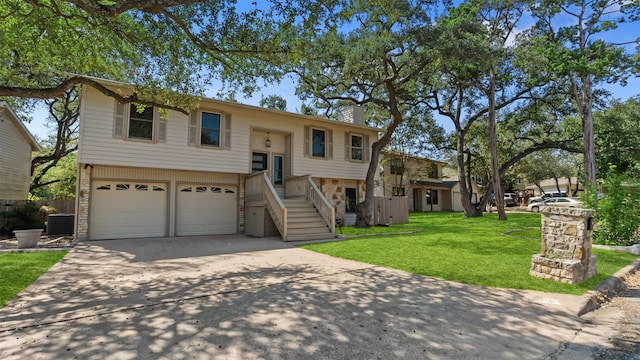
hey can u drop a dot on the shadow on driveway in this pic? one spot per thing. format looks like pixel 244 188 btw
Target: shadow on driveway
pixel 113 299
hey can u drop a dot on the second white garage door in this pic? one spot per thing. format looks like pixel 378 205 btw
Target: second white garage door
pixel 206 209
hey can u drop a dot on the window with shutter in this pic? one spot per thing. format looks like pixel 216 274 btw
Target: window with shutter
pixel 318 143
pixel 356 147
pixel 210 129
pixel 136 122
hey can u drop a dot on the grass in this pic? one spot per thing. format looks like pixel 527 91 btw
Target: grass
pixel 377 230
pixel 469 250
pixel 18 270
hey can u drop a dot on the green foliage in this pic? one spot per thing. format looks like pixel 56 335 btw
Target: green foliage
pixel 617 137
pixel 274 102
pixel 168 51
pixel 469 250
pixel 618 213
pixel 21 269
pixel 61 180
pixel 23 216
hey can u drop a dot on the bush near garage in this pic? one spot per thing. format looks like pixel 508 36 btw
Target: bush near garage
pixel 24 215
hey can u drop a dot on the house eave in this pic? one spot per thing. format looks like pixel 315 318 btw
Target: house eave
pixel 22 128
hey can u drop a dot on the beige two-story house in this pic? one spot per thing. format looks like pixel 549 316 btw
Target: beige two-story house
pixel 421 181
pixel 225 168
pixel 16 146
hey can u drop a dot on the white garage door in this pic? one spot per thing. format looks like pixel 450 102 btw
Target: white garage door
pixel 206 209
pixel 128 209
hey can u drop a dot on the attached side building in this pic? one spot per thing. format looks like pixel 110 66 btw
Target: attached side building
pixel 16 147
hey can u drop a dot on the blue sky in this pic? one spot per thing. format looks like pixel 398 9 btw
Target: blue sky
pixel 287 90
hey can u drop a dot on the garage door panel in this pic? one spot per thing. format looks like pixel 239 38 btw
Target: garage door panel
pixel 125 209
pixel 206 210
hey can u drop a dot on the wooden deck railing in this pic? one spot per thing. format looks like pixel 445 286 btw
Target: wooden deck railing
pixel 260 191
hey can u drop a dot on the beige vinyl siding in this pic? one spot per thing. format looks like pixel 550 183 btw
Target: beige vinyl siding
pixel 15 161
pixel 336 167
pixel 100 147
pixel 113 172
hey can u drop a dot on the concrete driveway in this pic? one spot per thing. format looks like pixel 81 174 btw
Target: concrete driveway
pixel 235 297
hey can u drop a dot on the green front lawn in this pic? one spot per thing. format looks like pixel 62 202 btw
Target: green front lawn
pixel 471 251
pixel 18 270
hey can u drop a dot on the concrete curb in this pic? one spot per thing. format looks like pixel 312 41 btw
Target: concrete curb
pixel 607 289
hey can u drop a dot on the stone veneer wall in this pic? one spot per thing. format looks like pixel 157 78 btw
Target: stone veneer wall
pixel 334 191
pixel 82 212
pixel 565 246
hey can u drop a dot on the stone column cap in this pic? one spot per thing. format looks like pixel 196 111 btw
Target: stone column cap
pixel 577 212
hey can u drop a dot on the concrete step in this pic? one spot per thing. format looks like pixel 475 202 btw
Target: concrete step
pixel 316 229
pixel 307 225
pixel 303 237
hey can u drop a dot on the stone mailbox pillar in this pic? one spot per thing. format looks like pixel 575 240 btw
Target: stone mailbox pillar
pixel 565 246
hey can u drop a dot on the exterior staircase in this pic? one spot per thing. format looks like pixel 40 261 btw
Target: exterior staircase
pixel 304 222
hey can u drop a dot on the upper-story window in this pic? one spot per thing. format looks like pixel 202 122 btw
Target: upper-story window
pixel 397 166
pixel 138 122
pixel 318 142
pixel 432 171
pixel 356 147
pixel 141 122
pixel 210 129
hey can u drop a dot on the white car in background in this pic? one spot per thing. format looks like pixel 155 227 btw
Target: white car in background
pixel 545 196
pixel 560 201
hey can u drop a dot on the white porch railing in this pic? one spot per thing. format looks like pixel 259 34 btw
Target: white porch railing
pixel 260 191
pixel 304 187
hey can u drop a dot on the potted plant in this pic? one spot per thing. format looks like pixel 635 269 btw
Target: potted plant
pixel 27 238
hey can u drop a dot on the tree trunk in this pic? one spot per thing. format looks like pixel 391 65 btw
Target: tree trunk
pixel 588 138
pixel 464 179
pixel 555 178
pixel 493 148
pixel 364 210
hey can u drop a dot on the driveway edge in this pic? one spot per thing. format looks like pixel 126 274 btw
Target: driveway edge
pixel 607 289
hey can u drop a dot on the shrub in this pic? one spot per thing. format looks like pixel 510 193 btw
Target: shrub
pixel 23 216
pixel 618 213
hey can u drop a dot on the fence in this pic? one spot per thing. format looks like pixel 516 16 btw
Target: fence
pixel 61 206
pixel 390 210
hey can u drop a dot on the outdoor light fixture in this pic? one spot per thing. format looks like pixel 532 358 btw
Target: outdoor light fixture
pixel 267 142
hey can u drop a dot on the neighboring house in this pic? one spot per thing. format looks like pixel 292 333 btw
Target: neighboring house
pixel 454 195
pixel 418 178
pixel 567 185
pixel 16 146
pixel 226 168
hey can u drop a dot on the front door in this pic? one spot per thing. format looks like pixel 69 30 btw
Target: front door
pixel 352 199
pixel 278 170
pixel 417 200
